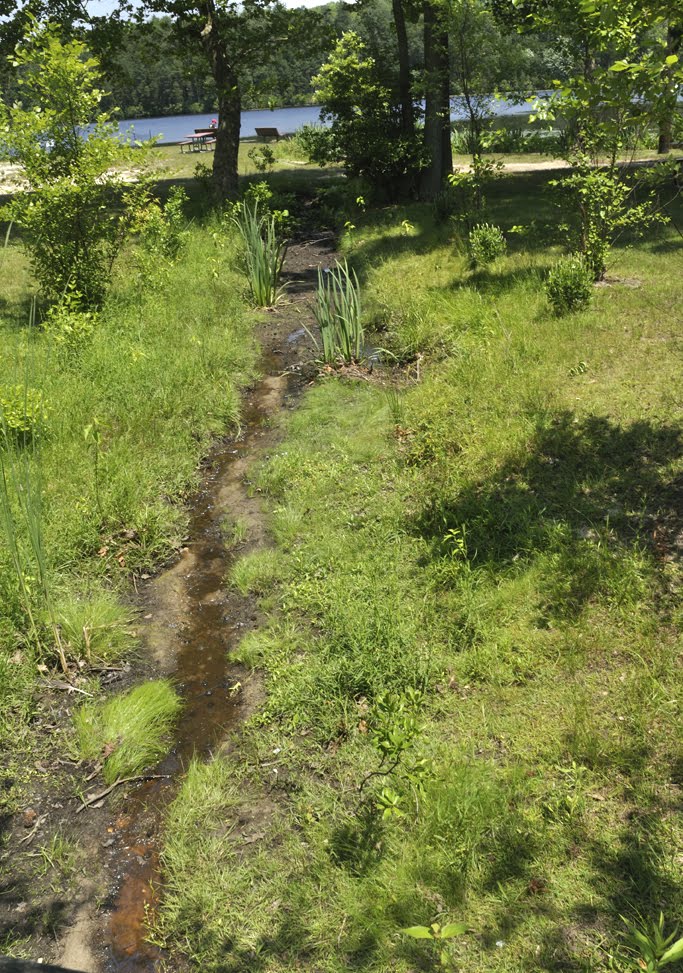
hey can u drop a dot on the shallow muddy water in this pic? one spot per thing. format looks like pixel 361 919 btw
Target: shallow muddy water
pixel 195 620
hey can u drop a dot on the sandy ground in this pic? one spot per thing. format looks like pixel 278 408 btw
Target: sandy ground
pixel 10 178
pixel 12 181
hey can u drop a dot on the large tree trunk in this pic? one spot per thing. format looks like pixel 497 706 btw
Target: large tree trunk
pixel 229 105
pixel 404 92
pixel 437 130
pixel 674 42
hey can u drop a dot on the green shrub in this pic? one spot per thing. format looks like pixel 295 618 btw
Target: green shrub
pixel 365 133
pixel 485 243
pixel 68 327
pixel 569 285
pixel 75 215
pixel 313 141
pixel 163 229
pixel 23 412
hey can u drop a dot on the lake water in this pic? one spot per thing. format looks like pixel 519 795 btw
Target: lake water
pixel 174 128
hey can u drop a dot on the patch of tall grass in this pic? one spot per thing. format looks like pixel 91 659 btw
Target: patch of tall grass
pixel 97 495
pixel 338 313
pixel 263 252
pixel 129 732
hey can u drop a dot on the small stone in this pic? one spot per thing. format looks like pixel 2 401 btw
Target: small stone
pixel 29 817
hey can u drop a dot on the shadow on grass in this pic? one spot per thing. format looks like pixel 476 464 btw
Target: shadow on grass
pixel 494 283
pixel 578 479
pixel 17 315
pixel 356 842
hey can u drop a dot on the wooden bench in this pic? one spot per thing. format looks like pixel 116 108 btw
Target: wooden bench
pixel 268 133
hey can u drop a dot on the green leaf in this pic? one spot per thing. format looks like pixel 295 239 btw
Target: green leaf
pixel 671 59
pixel 418 932
pixel 620 66
pixel 453 929
pixel 672 954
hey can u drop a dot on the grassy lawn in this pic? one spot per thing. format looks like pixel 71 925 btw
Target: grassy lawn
pixel 130 408
pixel 472 654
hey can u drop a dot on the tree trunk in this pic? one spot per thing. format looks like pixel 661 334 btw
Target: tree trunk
pixel 229 105
pixel 437 130
pixel 674 39
pixel 404 92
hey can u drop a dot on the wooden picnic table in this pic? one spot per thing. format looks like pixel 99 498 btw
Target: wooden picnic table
pixel 199 140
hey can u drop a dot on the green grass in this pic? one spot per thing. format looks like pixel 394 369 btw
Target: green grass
pixel 129 732
pixel 255 572
pixel 132 408
pixel 501 534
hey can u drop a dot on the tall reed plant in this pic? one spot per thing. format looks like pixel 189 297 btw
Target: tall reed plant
pixel 264 253
pixel 338 313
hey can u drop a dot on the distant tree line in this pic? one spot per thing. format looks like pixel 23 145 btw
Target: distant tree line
pixel 386 72
pixel 150 74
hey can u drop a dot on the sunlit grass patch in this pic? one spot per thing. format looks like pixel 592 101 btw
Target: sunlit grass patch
pixel 130 732
pixel 255 572
pixel 500 542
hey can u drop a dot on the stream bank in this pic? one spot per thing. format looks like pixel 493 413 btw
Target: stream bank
pixel 190 619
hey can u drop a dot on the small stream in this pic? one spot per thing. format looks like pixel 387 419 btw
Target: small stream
pixel 193 619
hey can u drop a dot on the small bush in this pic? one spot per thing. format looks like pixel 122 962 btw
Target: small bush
pixel 163 229
pixel 486 243
pixel 129 732
pixel 569 285
pixel 313 141
pixel 76 214
pixel 69 327
pixel 23 413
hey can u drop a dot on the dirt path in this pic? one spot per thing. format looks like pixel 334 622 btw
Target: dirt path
pixel 191 620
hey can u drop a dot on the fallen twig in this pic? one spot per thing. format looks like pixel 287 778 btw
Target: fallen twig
pixel 66 686
pixel 94 798
pixel 94 773
pixel 33 830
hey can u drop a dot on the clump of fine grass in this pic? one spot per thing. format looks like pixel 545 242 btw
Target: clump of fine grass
pixel 264 253
pixel 98 627
pixel 130 731
pixel 255 572
pixel 338 313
